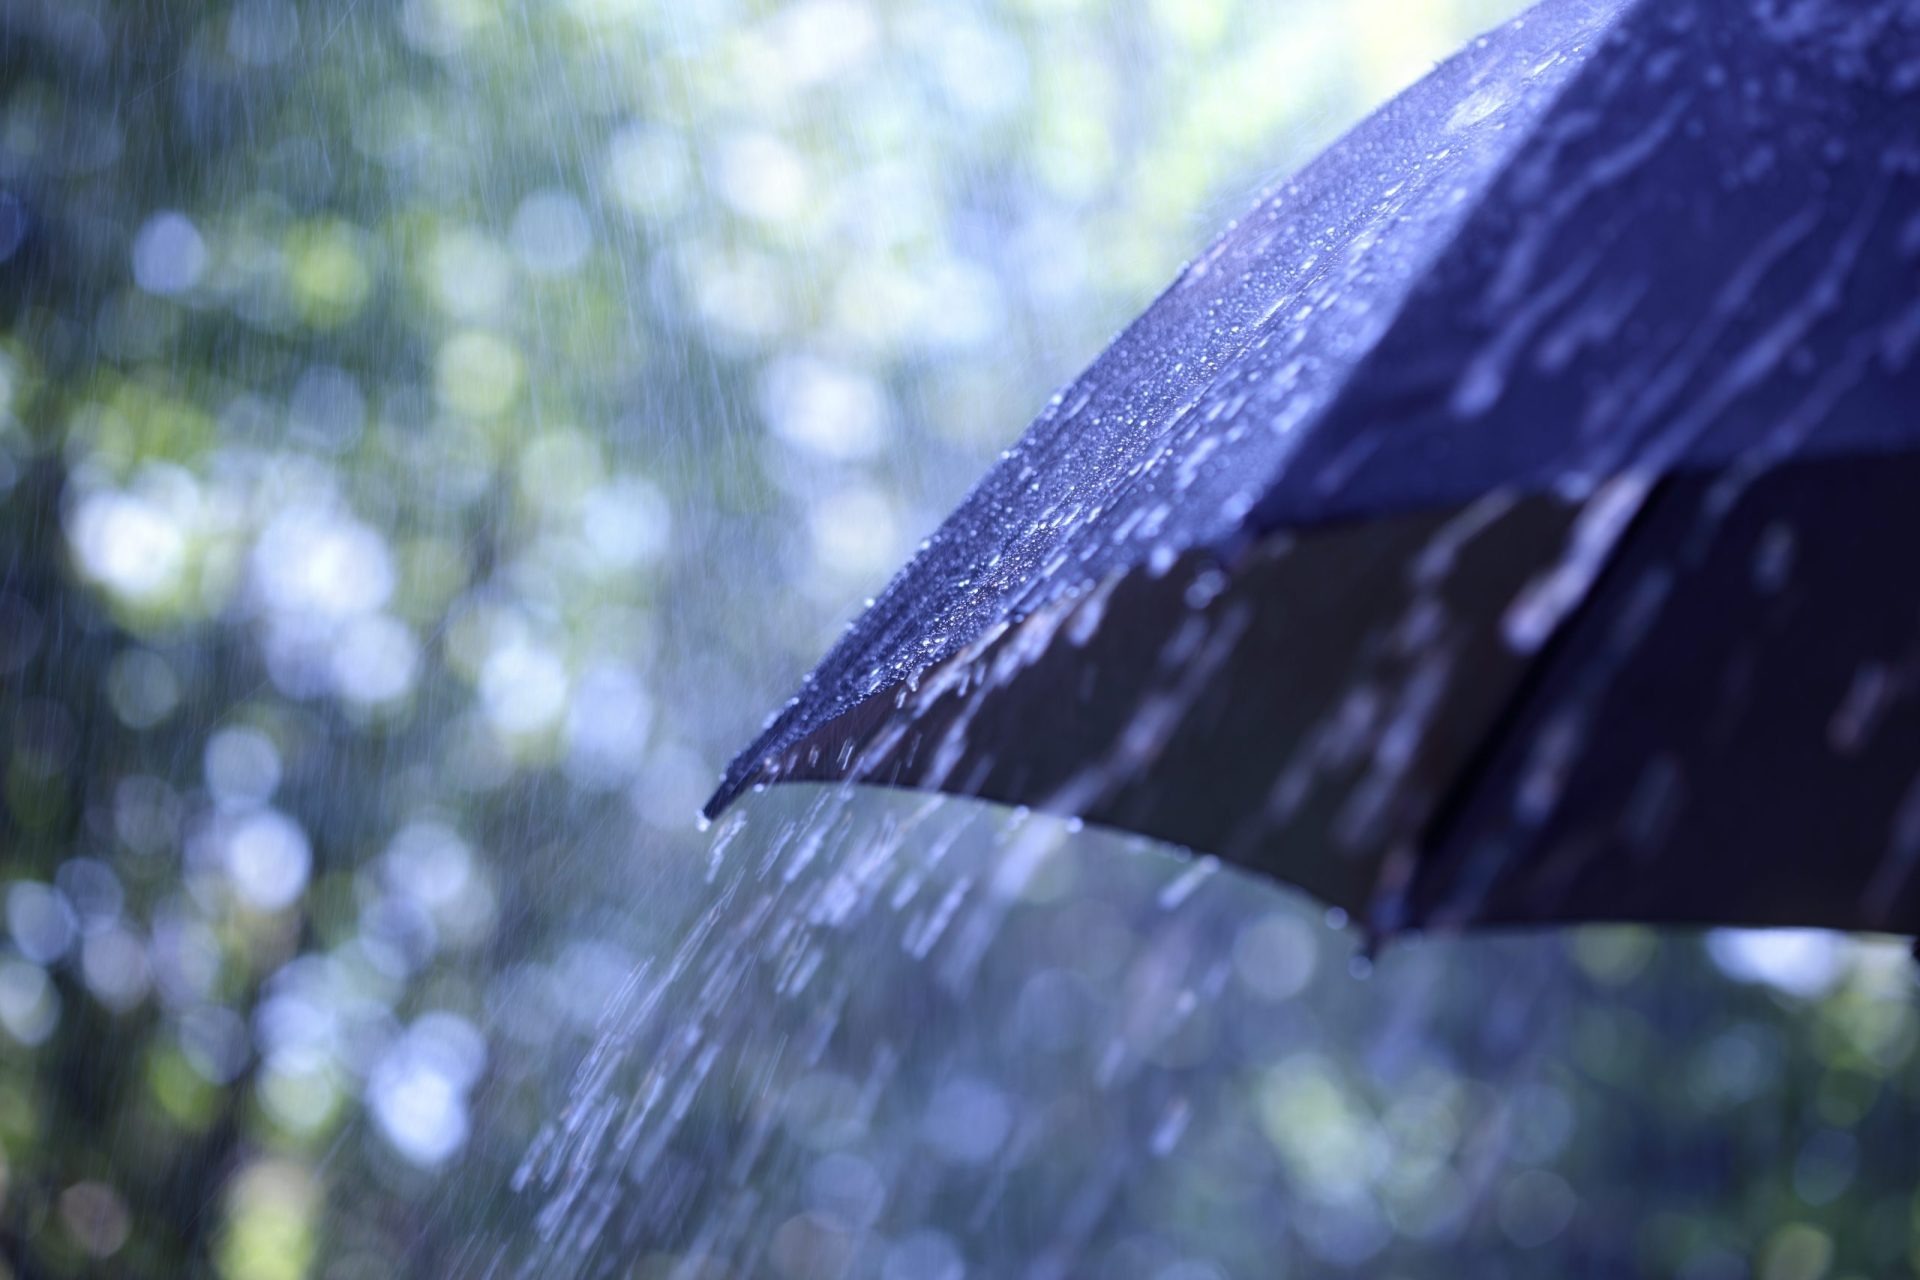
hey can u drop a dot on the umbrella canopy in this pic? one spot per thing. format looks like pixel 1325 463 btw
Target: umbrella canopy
pixel 1515 519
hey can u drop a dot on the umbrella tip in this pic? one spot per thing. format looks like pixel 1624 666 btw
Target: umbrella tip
pixel 1373 940
pixel 723 795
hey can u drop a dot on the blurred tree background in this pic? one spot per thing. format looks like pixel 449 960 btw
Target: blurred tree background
pixel 432 431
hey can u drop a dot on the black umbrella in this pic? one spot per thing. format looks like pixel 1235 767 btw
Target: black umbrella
pixel 1516 518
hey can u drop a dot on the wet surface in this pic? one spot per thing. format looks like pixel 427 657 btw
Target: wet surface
pixel 1654 260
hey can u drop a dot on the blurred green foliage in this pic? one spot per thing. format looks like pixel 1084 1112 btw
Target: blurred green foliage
pixel 431 432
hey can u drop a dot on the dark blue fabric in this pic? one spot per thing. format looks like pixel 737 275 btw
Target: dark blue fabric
pixel 1613 235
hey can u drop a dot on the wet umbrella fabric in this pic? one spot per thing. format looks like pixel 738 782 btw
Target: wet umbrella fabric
pixel 1516 519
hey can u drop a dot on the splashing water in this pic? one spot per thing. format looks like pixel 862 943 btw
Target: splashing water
pixel 910 1036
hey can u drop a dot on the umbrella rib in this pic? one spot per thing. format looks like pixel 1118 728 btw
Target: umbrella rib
pixel 1390 906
